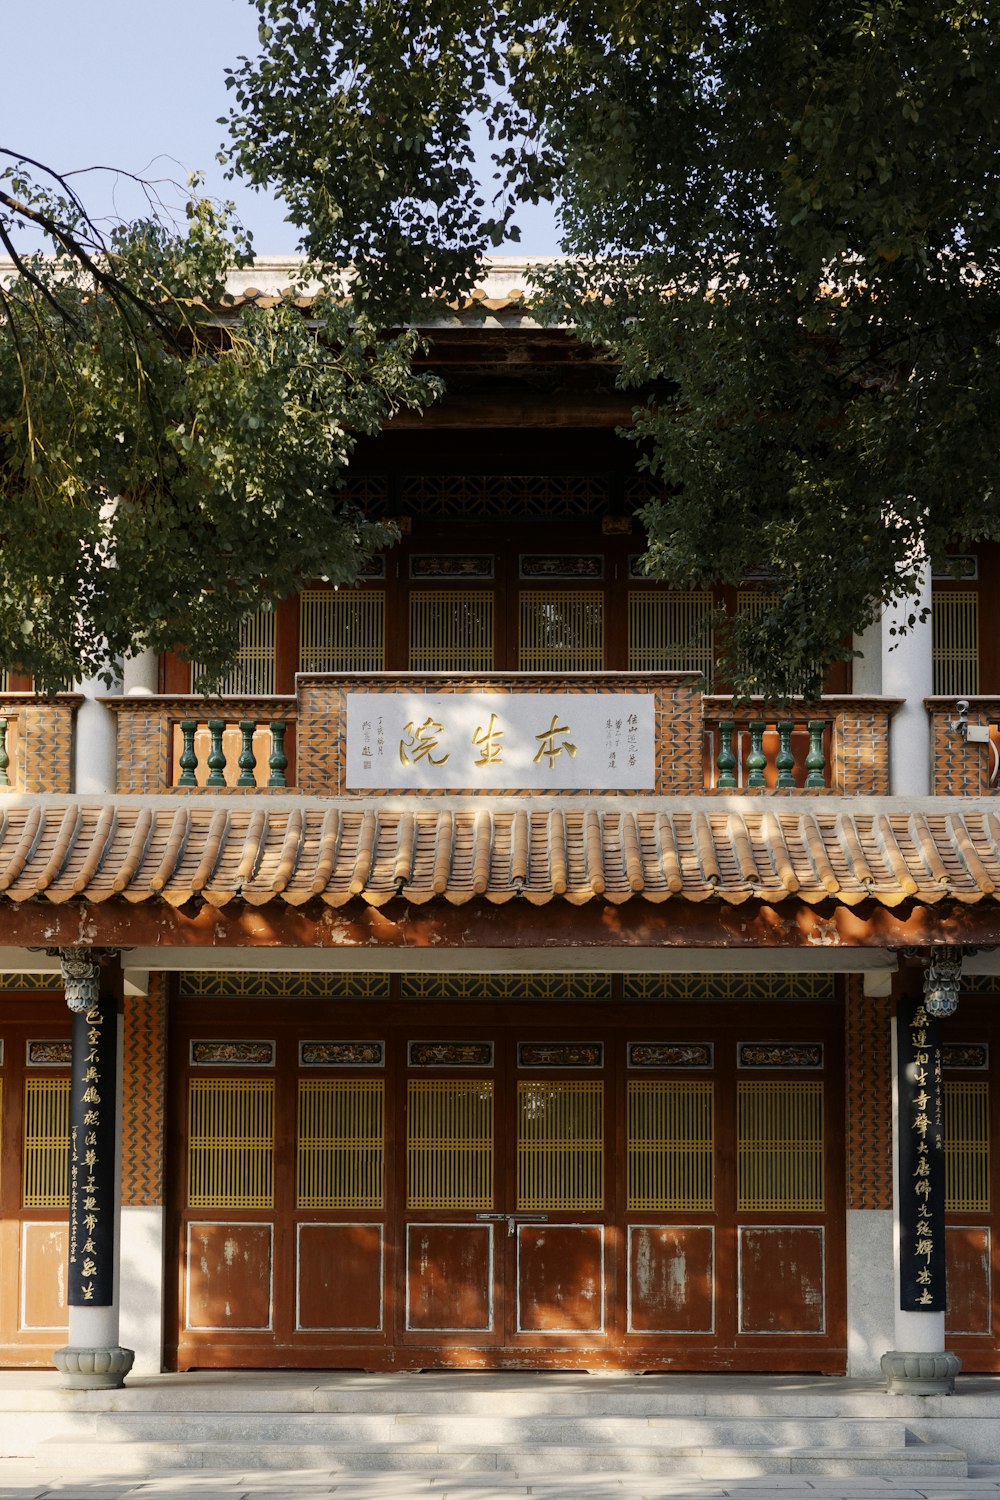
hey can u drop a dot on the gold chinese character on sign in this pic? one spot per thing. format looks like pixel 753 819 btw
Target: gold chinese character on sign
pixel 548 749
pixel 488 740
pixel 419 742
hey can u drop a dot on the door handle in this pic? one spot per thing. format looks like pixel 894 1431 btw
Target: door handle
pixel 512 1220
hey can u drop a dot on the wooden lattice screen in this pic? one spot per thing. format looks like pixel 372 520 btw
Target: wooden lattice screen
pixel 340 1155
pixel 780 1147
pixel 252 673
pixel 967 1147
pixel 449 1145
pixel 231 1143
pixel 46 1143
pixel 562 630
pixel 560 1145
pixel 670 1145
pixel 955 636
pixel 451 630
pixel 342 630
pixel 670 630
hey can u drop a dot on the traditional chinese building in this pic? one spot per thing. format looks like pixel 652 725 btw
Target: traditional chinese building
pixel 474 984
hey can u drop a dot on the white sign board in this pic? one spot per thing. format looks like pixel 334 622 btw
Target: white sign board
pixel 501 741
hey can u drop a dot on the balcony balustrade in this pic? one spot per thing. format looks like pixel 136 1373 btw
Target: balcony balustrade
pixel 838 744
pixel 185 744
pixel 190 744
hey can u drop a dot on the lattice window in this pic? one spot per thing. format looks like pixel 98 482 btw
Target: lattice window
pixel 504 496
pixel 252 673
pixel 955 641
pixel 671 1138
pixel 562 630
pixel 528 987
pixel 340 1152
pixel 449 1143
pixel 451 630
pixel 342 630
pixel 670 630
pixel 560 1145
pixel 780 1147
pixel 46 1143
pixel 743 987
pixel 231 1143
pixel 280 985
pixel 967 1147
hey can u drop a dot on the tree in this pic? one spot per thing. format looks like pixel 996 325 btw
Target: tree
pixel 787 211
pixel 166 465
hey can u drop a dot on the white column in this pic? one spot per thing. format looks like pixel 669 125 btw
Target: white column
pixel 93 742
pixel 866 669
pixel 143 1250
pixel 141 675
pixel 908 673
pixel 869 1289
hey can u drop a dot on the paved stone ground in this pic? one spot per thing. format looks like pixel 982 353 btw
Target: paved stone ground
pixel 21 1480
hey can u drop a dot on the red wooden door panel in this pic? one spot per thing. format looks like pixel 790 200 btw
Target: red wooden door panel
pixel 671 1271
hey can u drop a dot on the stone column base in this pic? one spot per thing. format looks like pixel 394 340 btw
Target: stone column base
pixel 920 1374
pixel 101 1369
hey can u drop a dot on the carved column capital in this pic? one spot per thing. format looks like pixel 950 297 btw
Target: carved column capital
pixel 81 974
pixel 943 981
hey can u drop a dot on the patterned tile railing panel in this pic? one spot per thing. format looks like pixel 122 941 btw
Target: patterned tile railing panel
pixel 36 742
pixel 144 1066
pixel 869 1098
pixel 962 764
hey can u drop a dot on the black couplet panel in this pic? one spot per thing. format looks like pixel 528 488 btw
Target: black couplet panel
pixel 93 1092
pixel 921 1160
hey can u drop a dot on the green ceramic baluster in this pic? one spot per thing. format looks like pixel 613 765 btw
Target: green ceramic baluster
pixel 216 755
pixel 785 759
pixel 726 760
pixel 247 760
pixel 756 760
pixel 816 760
pixel 278 760
pixel 188 760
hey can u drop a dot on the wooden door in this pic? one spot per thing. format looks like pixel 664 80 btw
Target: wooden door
pixel 970 1051
pixel 35 1046
pixel 507 1245
pixel 647 1187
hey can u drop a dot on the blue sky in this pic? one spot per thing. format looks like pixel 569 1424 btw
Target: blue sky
pixel 139 85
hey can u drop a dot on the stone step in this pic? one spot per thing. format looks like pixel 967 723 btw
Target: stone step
pixel 477 1431
pixel 500 1395
pixel 131 1457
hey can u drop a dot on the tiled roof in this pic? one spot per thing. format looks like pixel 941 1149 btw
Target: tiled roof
pixel 515 300
pixel 573 849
